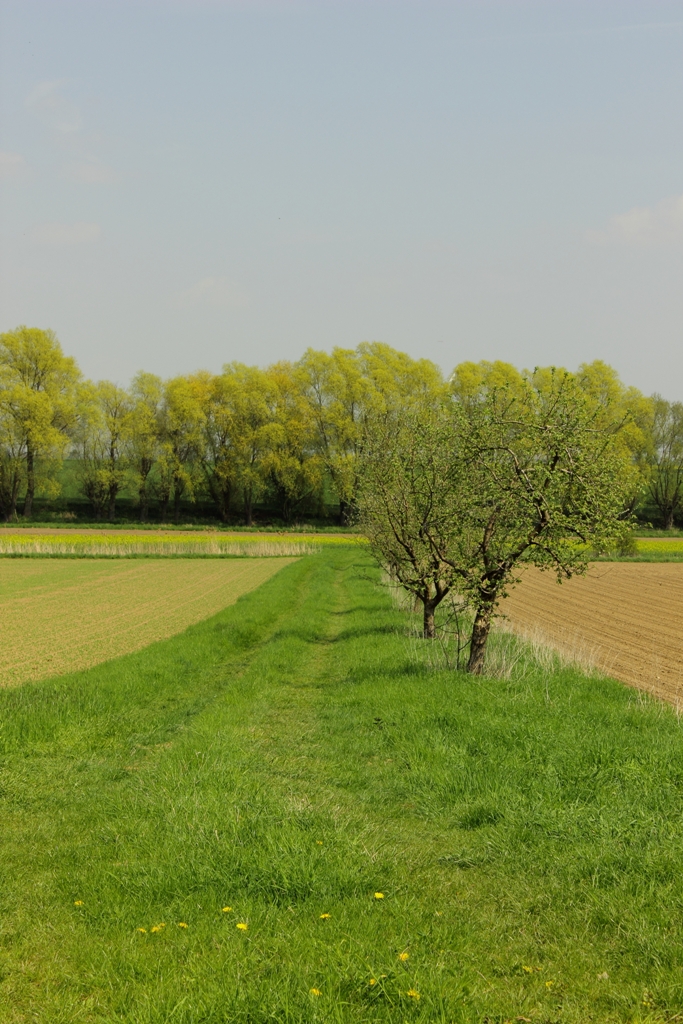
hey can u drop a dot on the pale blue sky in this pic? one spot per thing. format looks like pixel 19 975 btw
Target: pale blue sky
pixel 187 183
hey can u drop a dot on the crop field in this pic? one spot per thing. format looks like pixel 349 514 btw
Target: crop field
pixel 622 618
pixel 58 615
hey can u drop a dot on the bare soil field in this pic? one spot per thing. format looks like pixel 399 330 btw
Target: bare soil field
pixel 625 619
pixel 60 615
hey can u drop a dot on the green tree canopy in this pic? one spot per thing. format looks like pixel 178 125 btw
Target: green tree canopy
pixel 665 459
pixel 502 475
pixel 38 398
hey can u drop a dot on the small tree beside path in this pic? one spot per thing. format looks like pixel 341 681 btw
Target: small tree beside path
pixel 459 498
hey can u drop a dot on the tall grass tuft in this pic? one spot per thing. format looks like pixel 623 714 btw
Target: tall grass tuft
pixel 510 653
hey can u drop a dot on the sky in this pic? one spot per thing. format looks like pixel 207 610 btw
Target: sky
pixel 189 183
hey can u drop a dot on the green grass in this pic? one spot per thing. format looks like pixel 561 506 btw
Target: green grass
pixel 290 758
pixel 650 531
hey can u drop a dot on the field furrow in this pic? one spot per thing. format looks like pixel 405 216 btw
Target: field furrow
pixel 624 618
pixel 59 616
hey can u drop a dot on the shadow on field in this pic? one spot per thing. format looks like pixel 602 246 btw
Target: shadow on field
pixel 367 608
pixel 308 636
pixel 360 631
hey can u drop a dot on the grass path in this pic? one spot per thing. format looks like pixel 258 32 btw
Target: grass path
pixel 288 760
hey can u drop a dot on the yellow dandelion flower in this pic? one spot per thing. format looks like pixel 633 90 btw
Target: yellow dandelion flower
pixel 379 895
pixel 373 981
pixel 78 903
pixel 181 924
pixel 549 984
pixel 143 931
pixel 412 994
pixel 242 926
pixel 403 956
pixel 318 842
pixel 155 928
pixel 528 970
pixel 226 910
pixel 324 917
pixel 315 992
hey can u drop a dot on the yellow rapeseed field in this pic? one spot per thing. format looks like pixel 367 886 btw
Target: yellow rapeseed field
pixel 57 615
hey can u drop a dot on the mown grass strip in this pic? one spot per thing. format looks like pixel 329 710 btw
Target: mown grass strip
pixel 484 849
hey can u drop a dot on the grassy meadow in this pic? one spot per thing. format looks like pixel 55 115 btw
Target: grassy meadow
pixel 286 814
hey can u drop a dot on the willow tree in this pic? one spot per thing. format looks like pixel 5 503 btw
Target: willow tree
pixel 219 430
pixel 253 430
pixel 104 423
pixel 38 384
pixel 181 417
pixel 348 390
pixel 665 485
pixel 504 475
pixel 295 466
pixel 12 461
pixel 143 436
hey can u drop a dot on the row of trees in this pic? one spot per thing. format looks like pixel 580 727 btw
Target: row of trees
pixel 288 432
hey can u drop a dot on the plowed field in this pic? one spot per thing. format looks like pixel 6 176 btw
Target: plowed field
pixel 60 615
pixel 624 618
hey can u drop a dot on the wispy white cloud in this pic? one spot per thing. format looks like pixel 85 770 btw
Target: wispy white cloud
pixel 90 172
pixel 12 165
pixel 220 292
pixel 661 224
pixel 47 100
pixel 64 122
pixel 59 234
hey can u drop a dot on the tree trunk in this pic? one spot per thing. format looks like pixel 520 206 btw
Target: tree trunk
pixel 112 505
pixel 248 509
pixel 480 635
pixel 31 483
pixel 669 520
pixel 286 509
pixel 429 629
pixel 144 504
pixel 11 514
pixel 143 498
pixel 346 510
pixel 224 501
